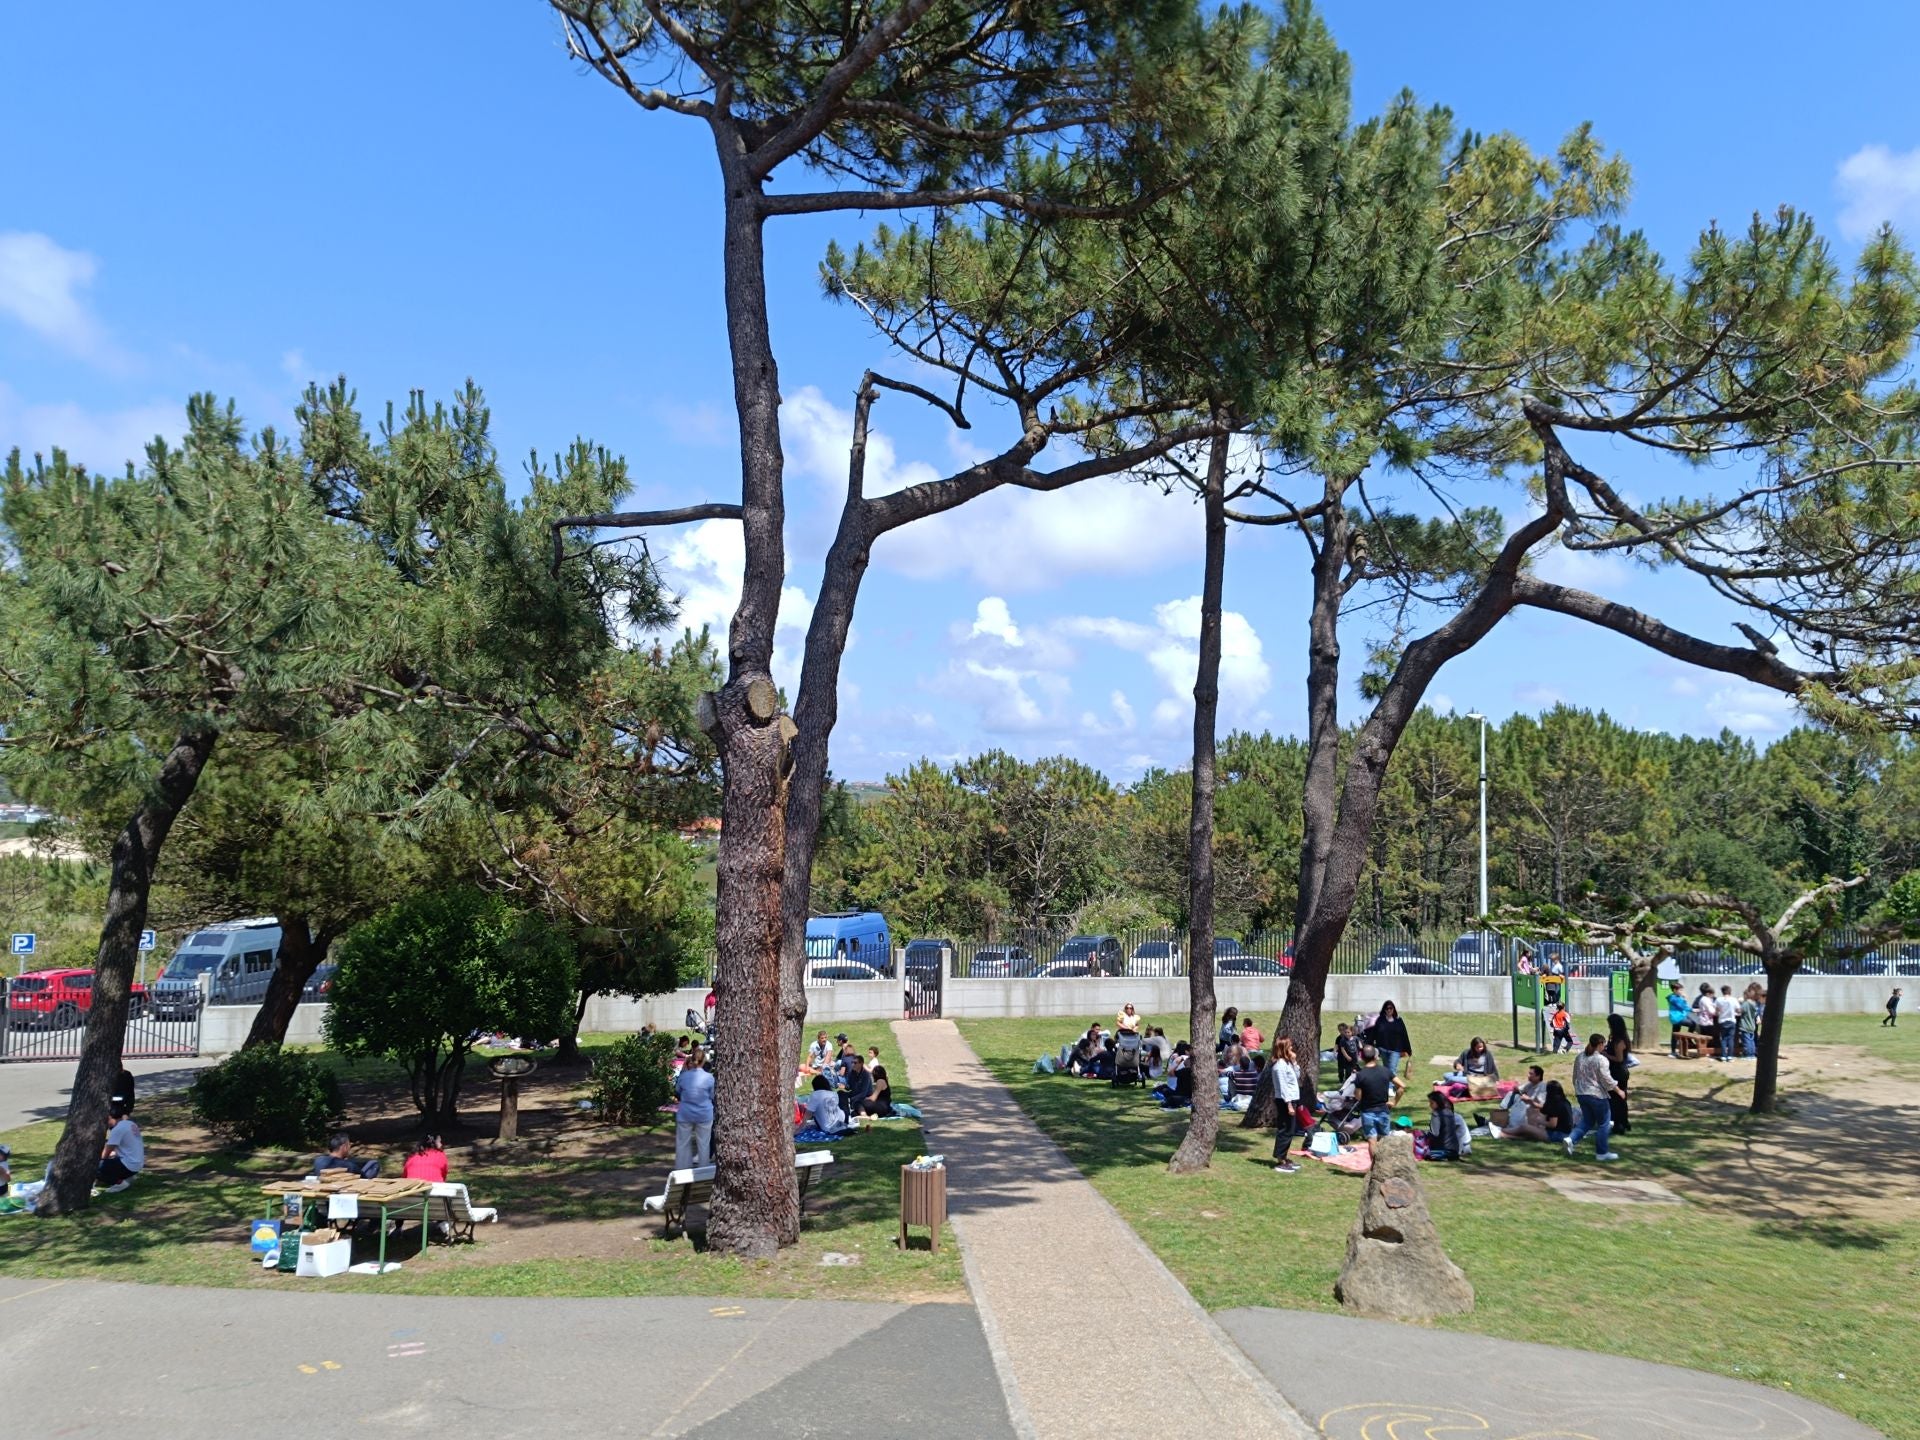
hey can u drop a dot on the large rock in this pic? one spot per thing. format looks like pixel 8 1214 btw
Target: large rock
pixel 1396 1268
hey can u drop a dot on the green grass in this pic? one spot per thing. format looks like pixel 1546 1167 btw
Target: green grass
pixel 184 1222
pixel 1724 1282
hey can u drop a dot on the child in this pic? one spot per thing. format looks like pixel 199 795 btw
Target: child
pixel 1562 1029
pixel 1346 1051
pixel 1893 1010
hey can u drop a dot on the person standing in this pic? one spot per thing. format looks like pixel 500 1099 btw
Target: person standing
pixel 1127 1022
pixel 1749 1032
pixel 1374 1088
pixel 1726 1020
pixel 1893 1010
pixel 1388 1035
pixel 1283 1073
pixel 1619 1054
pixel 1593 1088
pixel 693 1125
pixel 1346 1051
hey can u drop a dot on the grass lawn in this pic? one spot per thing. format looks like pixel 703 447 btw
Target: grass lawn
pixel 1792 1262
pixel 570 1206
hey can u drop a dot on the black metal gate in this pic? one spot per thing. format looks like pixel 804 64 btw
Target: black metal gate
pixel 924 984
pixel 46 1019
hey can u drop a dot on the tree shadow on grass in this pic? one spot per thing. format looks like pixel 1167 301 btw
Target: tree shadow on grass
pixel 1833 1235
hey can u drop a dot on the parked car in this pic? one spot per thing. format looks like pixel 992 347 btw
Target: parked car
pixel 1479 953
pixel 928 959
pixel 994 962
pixel 832 971
pixel 60 999
pixel 1398 950
pixel 1716 962
pixel 1407 964
pixel 1871 963
pixel 1085 955
pixel 1274 944
pixel 1243 963
pixel 859 936
pixel 319 985
pixel 1156 958
pixel 238 960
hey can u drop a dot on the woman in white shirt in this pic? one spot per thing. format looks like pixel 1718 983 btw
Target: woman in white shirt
pixel 1284 1075
pixel 1593 1087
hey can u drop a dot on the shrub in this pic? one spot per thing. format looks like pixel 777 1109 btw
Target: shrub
pixel 634 1079
pixel 268 1096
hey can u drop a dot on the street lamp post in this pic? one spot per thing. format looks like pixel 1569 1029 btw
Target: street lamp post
pixel 1476 715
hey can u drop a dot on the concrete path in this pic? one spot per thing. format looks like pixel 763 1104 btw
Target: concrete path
pixel 33 1090
pixel 95 1359
pixel 1080 1314
pixel 1361 1379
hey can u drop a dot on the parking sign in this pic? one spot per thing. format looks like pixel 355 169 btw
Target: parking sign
pixel 147 939
pixel 23 944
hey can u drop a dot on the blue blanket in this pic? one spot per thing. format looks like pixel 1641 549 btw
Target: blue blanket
pixel 811 1136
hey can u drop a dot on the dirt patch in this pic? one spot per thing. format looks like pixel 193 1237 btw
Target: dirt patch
pixel 1841 1147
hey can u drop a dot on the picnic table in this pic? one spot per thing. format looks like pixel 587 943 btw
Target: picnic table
pixel 383 1194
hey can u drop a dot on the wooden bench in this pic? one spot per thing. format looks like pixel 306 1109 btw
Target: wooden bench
pixel 1692 1045
pixel 695 1187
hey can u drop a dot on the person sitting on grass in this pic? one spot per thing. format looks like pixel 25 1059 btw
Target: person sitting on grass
pixel 1159 1053
pixel 1250 1037
pixel 1177 1089
pixel 1556 1112
pixel 1229 1028
pixel 340 1156
pixel 823 1109
pixel 427 1160
pixel 1447 1137
pixel 820 1053
pixel 859 1087
pixel 125 1153
pixel 1516 1112
pixel 1475 1060
pixel 1086 1053
pixel 880 1102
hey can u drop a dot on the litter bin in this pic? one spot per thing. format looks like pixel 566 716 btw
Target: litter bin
pixel 923 1201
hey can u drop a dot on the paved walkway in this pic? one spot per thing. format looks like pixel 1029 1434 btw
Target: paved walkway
pixel 94 1359
pixel 33 1090
pixel 1080 1314
pixel 1366 1379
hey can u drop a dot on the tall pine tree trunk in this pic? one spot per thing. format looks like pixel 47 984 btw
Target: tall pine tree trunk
pixel 136 851
pixel 755 1206
pixel 299 958
pixel 1203 1122
pixel 1645 977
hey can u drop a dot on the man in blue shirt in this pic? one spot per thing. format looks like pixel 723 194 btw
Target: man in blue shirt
pixel 1679 1015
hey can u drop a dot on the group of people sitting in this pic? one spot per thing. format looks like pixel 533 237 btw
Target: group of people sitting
pixel 1131 1046
pixel 1732 1024
pixel 846 1087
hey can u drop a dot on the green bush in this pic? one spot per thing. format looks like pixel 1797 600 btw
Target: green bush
pixel 634 1079
pixel 268 1096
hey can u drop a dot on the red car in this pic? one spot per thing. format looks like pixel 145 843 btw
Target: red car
pixel 58 999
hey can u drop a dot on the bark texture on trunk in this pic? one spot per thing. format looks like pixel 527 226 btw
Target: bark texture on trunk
pixel 1773 1024
pixel 136 850
pixel 1645 975
pixel 755 1207
pixel 1203 1122
pixel 301 953
pixel 1321 784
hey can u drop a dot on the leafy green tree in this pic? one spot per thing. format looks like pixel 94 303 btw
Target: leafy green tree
pixel 420 981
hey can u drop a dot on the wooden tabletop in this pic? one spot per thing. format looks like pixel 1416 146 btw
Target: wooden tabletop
pixel 345 1182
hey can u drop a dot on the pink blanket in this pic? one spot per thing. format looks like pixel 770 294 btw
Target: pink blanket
pixel 1354 1159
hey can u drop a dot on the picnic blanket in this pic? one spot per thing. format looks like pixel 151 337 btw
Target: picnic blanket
pixel 1353 1159
pixel 811 1136
pixel 1457 1090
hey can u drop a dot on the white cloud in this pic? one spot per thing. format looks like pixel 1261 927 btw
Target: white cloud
pixel 1172 648
pixel 1751 710
pixel 101 440
pixel 1540 697
pixel 1013 540
pixel 1440 704
pixel 703 566
pixel 1879 186
pixel 41 285
pixel 696 423
pixel 991 617
pixel 293 365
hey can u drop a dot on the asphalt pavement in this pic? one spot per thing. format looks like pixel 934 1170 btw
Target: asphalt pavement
pixel 33 1090
pixel 236 1365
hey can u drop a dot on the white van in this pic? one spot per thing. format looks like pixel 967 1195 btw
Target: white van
pixel 237 959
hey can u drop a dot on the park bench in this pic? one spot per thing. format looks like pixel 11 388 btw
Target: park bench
pixel 460 1214
pixel 1691 1045
pixel 695 1187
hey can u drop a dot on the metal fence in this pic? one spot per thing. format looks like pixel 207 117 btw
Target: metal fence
pixel 46 1016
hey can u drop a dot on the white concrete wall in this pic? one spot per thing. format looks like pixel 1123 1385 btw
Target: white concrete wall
pixel 224 1027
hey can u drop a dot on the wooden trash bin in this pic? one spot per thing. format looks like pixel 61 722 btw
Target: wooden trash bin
pixel 923 1201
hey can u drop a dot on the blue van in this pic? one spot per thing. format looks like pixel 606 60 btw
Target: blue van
pixel 849 945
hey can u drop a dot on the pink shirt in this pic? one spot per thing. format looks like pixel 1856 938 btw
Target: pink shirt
pixel 427 1165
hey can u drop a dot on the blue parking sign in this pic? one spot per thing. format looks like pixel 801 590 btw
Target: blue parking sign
pixel 147 939
pixel 23 944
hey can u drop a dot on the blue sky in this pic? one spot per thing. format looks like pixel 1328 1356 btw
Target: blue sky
pixel 245 198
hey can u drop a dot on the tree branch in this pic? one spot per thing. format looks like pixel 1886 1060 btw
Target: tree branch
pixel 640 520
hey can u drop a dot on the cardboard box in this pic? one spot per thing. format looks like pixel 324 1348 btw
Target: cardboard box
pixel 331 1258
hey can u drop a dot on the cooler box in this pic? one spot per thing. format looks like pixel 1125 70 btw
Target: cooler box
pixel 331 1258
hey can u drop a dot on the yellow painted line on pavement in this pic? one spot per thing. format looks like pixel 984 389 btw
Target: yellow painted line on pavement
pixel 39 1290
pixel 721 1369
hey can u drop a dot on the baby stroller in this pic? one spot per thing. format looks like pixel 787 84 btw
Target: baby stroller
pixel 1342 1115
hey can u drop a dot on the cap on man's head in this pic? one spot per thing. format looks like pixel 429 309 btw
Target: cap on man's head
pixel 841 1037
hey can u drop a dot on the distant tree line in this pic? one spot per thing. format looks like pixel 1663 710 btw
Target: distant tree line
pixel 1578 805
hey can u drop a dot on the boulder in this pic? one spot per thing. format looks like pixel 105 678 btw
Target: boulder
pixel 1396 1267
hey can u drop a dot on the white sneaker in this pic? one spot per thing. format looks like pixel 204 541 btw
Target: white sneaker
pixel 116 1189
pixel 1610 1155
pixel 1567 1145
